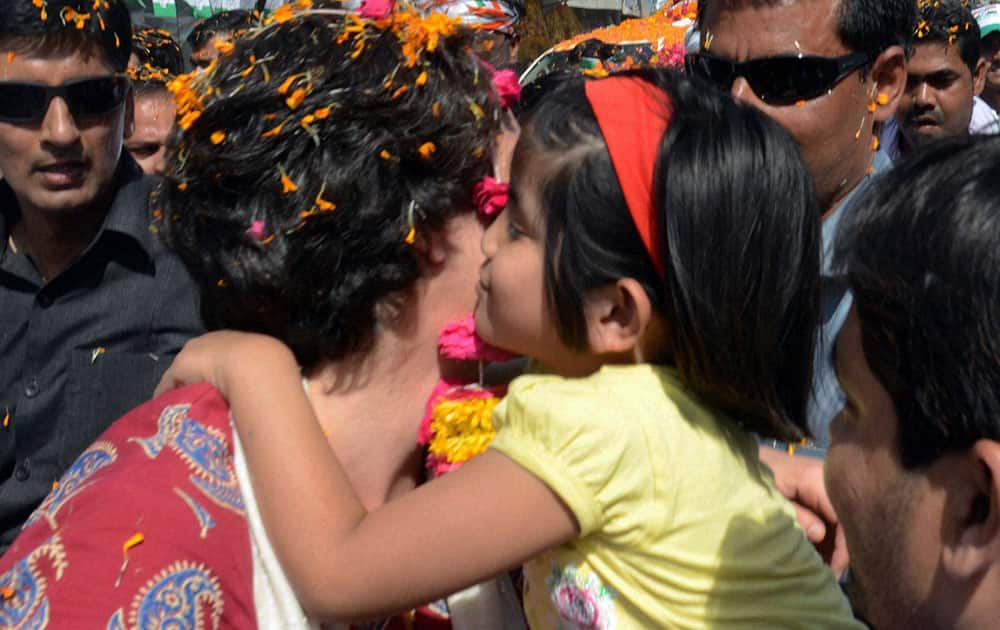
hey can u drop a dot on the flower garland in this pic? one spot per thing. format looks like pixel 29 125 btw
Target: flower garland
pixel 457 424
pixel 654 41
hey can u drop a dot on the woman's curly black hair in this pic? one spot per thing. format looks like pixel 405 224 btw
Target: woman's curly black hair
pixel 289 193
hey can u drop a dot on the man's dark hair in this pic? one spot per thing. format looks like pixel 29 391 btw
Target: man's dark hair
pixel 739 228
pixel 67 26
pixel 290 195
pixel 868 26
pixel 950 22
pixel 157 48
pixel 921 252
pixel 224 22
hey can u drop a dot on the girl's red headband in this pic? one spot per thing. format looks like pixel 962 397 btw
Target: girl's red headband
pixel 633 116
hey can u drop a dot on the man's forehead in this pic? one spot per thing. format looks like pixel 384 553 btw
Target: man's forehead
pixel 46 54
pixel 756 28
pixel 931 57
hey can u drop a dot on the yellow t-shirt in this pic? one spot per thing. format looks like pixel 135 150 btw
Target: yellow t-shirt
pixel 681 526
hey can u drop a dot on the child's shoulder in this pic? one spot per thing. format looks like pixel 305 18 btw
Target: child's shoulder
pixel 619 385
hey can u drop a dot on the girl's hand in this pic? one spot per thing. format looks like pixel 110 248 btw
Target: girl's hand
pixel 215 358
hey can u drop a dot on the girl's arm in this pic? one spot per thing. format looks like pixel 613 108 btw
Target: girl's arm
pixel 344 563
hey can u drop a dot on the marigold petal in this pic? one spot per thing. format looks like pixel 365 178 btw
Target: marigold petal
pixel 296 98
pixel 427 150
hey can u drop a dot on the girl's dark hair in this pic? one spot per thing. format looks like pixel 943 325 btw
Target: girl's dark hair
pixel 288 194
pixel 920 250
pixel 740 241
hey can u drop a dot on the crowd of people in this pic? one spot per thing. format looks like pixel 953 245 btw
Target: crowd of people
pixel 732 360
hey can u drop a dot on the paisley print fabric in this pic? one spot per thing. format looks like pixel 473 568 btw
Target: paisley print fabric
pixel 145 530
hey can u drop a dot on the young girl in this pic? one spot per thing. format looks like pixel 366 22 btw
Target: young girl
pixel 658 259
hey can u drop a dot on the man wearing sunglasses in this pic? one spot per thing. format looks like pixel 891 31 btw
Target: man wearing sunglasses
pixel 832 73
pixel 92 307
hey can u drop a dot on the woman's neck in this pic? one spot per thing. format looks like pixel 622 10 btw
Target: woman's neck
pixel 370 409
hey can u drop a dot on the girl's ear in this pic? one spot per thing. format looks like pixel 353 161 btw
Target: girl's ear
pixel 617 316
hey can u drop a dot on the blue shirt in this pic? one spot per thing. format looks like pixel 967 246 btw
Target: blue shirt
pixel 835 301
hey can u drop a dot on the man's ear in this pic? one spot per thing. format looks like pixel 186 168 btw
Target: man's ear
pixel 617 316
pixel 979 76
pixel 888 73
pixel 431 246
pixel 974 544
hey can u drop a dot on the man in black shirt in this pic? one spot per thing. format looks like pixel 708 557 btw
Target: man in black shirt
pixel 92 307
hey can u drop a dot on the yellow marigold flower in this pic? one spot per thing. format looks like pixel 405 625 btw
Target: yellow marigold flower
pixel 296 98
pixel 302 5
pixel 385 155
pixel 438 25
pixel 322 113
pixel 427 150
pixel 462 429
pixel 218 137
pixel 422 78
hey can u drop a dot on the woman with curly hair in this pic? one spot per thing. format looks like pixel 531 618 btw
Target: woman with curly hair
pixel 320 191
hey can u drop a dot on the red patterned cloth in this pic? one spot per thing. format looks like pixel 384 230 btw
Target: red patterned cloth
pixel 162 474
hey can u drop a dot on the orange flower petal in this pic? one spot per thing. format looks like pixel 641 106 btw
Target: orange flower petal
pixel 273 132
pixel 218 137
pixel 427 150
pixel 296 98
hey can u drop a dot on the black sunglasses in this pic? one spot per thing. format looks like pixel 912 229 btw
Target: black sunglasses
pixel 779 80
pixel 23 102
